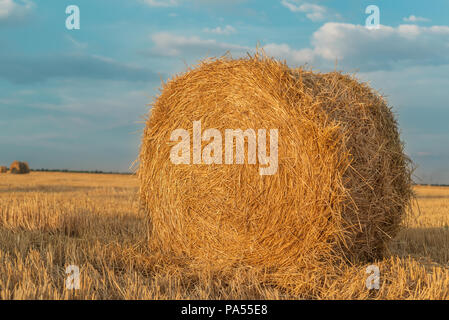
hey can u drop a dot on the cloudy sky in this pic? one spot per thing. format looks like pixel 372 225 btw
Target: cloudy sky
pixel 75 99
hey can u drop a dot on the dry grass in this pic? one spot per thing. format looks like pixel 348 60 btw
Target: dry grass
pixel 51 220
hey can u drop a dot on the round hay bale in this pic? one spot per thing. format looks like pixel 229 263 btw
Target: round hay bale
pixel 3 169
pixel 340 190
pixel 18 167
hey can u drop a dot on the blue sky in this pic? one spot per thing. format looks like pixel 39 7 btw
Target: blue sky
pixel 76 99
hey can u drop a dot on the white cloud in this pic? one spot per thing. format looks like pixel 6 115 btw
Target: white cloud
pixel 284 51
pixel 161 3
pixel 77 44
pixel 169 44
pixel 413 18
pixel 175 3
pixel 384 48
pixel 223 31
pixel 313 12
pixel 14 9
pixel 355 46
pixel 6 8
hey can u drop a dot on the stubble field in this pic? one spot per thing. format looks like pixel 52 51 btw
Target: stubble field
pixel 49 221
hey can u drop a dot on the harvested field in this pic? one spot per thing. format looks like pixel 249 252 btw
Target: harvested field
pixel 49 221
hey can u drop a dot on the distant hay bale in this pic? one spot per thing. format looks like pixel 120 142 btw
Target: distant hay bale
pixel 341 188
pixel 18 167
pixel 3 169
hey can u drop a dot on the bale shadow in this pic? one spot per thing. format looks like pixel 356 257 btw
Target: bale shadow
pixel 431 244
pixel 89 227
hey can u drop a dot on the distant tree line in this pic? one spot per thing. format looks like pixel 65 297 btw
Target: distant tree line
pixel 81 171
pixel 130 173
